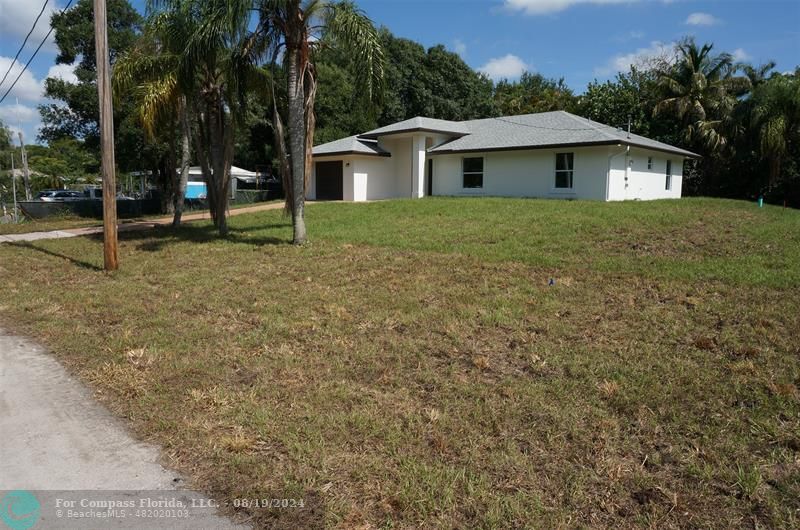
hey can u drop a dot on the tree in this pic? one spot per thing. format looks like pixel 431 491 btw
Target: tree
pixel 75 113
pixel 702 91
pixel 435 83
pixel 149 74
pixel 776 119
pixel 211 41
pixel 532 93
pixel 298 30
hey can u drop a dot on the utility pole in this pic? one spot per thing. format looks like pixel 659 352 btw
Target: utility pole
pixel 110 255
pixel 14 187
pixel 26 174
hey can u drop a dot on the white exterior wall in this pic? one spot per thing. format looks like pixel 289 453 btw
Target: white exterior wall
pixel 378 177
pixel 524 173
pixel 529 173
pixel 643 183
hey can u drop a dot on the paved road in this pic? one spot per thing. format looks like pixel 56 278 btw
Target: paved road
pixel 55 436
pixel 135 225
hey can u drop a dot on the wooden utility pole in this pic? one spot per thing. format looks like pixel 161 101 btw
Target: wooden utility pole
pixel 14 187
pixel 26 174
pixel 106 137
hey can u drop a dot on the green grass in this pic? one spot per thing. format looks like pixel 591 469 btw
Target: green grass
pixel 65 222
pixel 58 222
pixel 411 366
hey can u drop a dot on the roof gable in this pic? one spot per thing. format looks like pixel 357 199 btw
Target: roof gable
pixel 350 145
pixel 419 123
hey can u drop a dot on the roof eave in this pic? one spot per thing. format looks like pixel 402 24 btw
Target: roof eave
pixel 373 135
pixel 351 152
pixel 439 151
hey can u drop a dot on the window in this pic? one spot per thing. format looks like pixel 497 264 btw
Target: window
pixel 473 172
pixel 668 185
pixel 564 165
pixel 649 162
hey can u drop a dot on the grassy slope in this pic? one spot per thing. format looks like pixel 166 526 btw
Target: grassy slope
pixel 411 367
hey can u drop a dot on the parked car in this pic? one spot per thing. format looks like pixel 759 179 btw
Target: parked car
pixel 59 196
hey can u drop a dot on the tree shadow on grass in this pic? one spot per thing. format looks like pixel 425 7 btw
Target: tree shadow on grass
pixel 80 263
pixel 159 237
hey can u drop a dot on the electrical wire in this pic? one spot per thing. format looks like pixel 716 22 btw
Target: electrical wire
pixel 13 61
pixel 32 56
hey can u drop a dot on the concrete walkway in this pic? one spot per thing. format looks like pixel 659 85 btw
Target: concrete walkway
pixel 54 436
pixel 134 225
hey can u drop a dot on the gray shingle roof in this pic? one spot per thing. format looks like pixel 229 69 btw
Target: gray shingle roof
pixel 546 129
pixel 527 131
pixel 352 145
pixel 419 123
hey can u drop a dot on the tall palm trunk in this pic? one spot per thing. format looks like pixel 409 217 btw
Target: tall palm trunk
pixel 216 125
pixel 297 143
pixel 186 153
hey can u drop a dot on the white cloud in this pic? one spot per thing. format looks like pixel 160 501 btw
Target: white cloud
pixel 459 47
pixel 30 92
pixel 739 55
pixel 701 19
pixel 26 89
pixel 16 19
pixel 507 67
pixel 642 57
pixel 65 72
pixel 17 113
pixel 546 7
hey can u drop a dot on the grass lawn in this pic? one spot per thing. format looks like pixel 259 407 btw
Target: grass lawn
pixel 65 222
pixel 412 366
pixel 58 222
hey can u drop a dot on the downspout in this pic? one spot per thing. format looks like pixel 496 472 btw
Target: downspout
pixel 608 173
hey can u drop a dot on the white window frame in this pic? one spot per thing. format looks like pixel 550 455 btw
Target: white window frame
pixel 649 162
pixel 465 173
pixel 570 172
pixel 668 183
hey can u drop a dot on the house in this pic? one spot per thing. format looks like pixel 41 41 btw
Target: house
pixel 550 154
pixel 196 186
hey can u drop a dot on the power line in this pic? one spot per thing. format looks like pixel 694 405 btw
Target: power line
pixel 10 66
pixel 32 56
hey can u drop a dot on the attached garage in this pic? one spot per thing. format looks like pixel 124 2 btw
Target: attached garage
pixel 329 183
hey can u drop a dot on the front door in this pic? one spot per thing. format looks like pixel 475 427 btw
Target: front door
pixel 330 185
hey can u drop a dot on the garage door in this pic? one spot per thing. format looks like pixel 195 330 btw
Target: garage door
pixel 330 186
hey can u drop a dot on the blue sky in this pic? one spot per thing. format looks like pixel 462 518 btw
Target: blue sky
pixel 579 40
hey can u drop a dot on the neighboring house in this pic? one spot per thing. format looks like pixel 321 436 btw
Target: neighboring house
pixel 551 154
pixel 196 187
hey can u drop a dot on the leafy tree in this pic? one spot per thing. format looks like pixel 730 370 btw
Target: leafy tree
pixel 75 112
pixel 531 94
pixel 65 157
pixel 299 30
pixel 435 83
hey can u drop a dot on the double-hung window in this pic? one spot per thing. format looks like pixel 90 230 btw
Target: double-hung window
pixel 668 184
pixel 472 169
pixel 565 162
pixel 649 162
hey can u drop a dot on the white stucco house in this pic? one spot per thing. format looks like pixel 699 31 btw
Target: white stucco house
pixel 550 154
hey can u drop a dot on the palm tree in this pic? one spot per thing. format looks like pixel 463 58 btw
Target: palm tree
pixel 701 91
pixel 149 73
pixel 294 30
pixel 207 39
pixel 776 118
pixel 758 74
